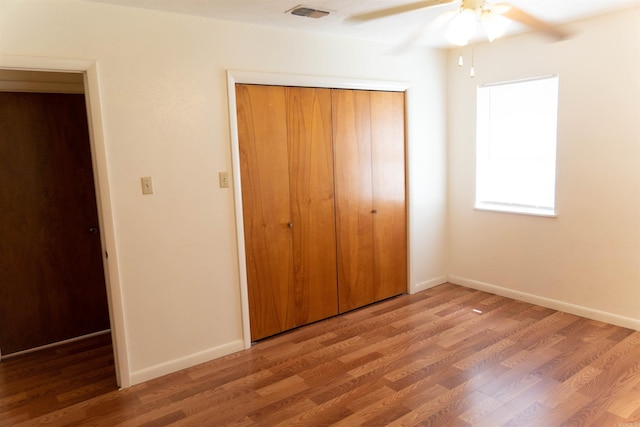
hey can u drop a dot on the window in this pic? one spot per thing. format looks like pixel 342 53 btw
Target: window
pixel 516 146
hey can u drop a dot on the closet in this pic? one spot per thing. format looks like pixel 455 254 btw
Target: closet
pixel 368 135
pixel 323 195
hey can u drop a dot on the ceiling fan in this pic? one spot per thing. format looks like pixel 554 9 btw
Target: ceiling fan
pixel 493 17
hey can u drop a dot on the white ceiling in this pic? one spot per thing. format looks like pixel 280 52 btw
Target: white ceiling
pixel 423 27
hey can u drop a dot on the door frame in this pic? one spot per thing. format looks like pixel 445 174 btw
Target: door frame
pixel 89 69
pixel 298 80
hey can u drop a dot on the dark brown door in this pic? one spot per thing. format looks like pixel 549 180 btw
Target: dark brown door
pixel 51 273
pixel 286 165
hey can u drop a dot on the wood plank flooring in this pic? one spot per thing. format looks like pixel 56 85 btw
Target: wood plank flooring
pixel 427 359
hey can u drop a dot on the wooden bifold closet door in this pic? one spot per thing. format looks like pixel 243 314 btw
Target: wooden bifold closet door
pixel 323 194
pixel 286 166
pixel 368 136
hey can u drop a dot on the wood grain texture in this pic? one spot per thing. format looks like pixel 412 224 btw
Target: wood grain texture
pixel 34 383
pixel 264 171
pixel 288 204
pixel 424 359
pixel 51 267
pixel 354 197
pixel 388 179
pixel 370 196
pixel 312 203
pixel 298 148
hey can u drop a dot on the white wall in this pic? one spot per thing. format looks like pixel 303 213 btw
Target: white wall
pixel 162 91
pixel 587 260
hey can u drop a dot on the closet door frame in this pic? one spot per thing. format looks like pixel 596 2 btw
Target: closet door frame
pixel 246 77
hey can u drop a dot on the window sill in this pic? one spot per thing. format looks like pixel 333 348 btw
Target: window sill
pixel 516 209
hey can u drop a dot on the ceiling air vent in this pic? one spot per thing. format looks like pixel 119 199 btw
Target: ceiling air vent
pixel 309 12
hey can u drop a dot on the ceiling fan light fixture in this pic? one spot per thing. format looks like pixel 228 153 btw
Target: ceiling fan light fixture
pixel 462 27
pixel 494 24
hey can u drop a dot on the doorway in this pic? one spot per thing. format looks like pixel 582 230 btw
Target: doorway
pixel 53 281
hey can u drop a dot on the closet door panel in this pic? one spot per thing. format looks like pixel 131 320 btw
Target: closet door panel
pixel 312 203
pixel 388 162
pixel 352 160
pixel 264 170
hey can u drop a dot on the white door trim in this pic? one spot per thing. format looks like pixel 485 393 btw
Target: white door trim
pixel 101 177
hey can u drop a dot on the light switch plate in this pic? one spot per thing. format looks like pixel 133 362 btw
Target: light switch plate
pixel 147 185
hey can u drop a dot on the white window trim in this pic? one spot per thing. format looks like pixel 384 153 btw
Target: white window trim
pixel 512 208
pixel 516 209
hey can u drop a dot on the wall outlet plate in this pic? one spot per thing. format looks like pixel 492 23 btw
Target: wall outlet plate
pixel 224 179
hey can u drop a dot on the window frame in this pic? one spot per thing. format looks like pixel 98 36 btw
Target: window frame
pixel 507 207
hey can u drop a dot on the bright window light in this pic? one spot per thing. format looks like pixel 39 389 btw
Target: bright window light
pixel 516 146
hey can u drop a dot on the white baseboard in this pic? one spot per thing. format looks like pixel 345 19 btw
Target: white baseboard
pixel 175 365
pixel 590 313
pixel 422 286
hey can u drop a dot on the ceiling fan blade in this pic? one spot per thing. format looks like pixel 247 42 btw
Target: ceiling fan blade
pixel 412 39
pixel 394 10
pixel 531 21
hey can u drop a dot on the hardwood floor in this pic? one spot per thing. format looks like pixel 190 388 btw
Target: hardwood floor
pixel 427 359
pixel 36 385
